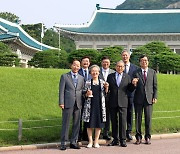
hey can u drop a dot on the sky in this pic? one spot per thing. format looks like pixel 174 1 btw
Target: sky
pixel 50 12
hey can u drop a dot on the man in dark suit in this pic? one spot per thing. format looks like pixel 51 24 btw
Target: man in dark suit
pixel 119 84
pixel 84 72
pixel 104 72
pixel 129 69
pixel 70 101
pixel 144 98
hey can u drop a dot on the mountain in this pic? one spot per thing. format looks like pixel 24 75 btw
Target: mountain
pixel 148 4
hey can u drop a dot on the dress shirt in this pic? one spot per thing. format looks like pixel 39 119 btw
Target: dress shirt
pixel 118 78
pixel 105 73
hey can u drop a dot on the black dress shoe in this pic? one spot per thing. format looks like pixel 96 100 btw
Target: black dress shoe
pixel 63 147
pixel 74 146
pixel 129 137
pixel 123 143
pixel 138 141
pixel 107 137
pixel 147 141
pixel 113 143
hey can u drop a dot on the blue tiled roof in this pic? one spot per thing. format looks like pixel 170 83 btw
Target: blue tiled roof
pixel 22 35
pixel 7 36
pixel 129 22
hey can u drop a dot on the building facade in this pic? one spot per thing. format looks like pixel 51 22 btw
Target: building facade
pixel 127 28
pixel 20 42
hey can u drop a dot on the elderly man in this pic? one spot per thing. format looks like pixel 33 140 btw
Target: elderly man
pixel 119 84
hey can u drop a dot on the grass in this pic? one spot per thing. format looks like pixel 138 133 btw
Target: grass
pixel 29 94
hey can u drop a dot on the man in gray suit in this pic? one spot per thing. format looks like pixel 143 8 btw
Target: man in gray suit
pixel 70 101
pixel 129 69
pixel 104 72
pixel 144 98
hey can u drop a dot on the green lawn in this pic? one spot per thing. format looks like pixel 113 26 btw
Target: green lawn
pixel 32 94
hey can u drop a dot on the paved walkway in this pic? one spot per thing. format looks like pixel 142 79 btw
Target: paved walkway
pixel 161 146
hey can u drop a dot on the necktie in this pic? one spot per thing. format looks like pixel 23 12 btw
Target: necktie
pixel 144 75
pixel 118 81
pixel 75 80
pixel 85 75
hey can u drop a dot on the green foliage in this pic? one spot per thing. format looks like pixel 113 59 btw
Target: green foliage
pixel 161 57
pixel 4 48
pixel 10 17
pixel 114 53
pixel 145 4
pixel 50 38
pixel 78 54
pixel 7 58
pixel 34 30
pixel 50 59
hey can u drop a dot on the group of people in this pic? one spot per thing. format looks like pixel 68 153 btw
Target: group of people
pixel 93 97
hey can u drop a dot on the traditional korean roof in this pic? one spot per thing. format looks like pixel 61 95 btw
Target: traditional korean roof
pixel 110 21
pixel 9 30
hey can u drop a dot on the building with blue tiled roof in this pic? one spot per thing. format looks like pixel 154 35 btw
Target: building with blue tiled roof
pixel 20 42
pixel 127 28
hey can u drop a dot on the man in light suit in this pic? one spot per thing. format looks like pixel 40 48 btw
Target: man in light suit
pixel 119 84
pixel 104 72
pixel 144 98
pixel 129 69
pixel 84 72
pixel 70 101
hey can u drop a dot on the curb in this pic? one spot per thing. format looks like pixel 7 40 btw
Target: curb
pixel 56 145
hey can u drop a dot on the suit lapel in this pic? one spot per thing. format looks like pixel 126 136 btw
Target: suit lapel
pixel 114 79
pixel 122 80
pixel 70 78
pixel 141 76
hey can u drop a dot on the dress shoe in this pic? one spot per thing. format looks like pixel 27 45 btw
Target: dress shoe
pixel 89 145
pixel 113 143
pixel 123 143
pixel 74 146
pixel 96 145
pixel 129 137
pixel 63 147
pixel 107 137
pixel 138 141
pixel 147 141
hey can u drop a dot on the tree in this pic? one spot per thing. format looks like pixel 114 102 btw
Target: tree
pixel 114 53
pixel 49 59
pixel 78 54
pixel 7 58
pixel 161 57
pixel 10 17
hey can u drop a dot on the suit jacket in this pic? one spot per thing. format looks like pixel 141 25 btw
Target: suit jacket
pixel 81 73
pixel 101 75
pixel 68 93
pixel 118 95
pixel 145 90
pixel 132 68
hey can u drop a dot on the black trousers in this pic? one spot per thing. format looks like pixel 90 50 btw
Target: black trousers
pixel 118 120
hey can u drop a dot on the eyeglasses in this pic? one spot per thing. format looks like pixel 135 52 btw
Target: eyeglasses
pixel 119 66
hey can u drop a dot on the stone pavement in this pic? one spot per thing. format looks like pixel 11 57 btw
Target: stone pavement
pixel 163 143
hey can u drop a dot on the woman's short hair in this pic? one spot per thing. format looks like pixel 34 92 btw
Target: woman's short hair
pixel 93 67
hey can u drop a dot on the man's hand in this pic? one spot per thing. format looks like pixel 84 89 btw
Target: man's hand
pixel 135 81
pixel 154 101
pixel 61 106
